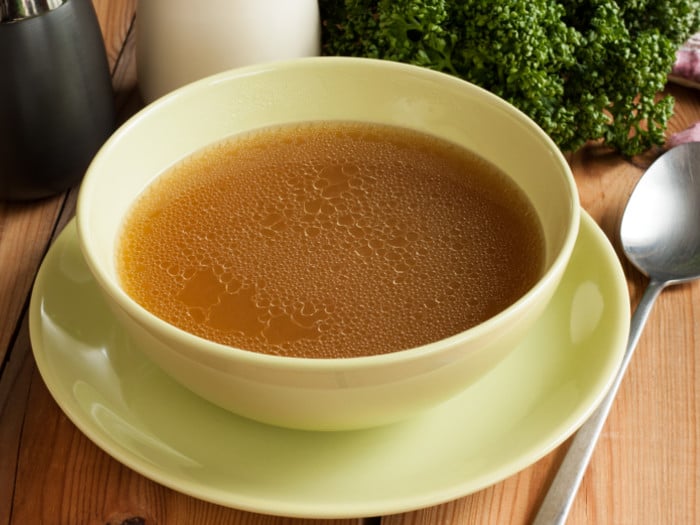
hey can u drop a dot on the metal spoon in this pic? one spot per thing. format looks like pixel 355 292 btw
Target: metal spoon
pixel 660 234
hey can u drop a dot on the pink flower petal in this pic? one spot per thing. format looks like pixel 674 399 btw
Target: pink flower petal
pixel 690 134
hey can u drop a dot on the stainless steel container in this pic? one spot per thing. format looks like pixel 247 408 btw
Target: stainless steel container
pixel 56 99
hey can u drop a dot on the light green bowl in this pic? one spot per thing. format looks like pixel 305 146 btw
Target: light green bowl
pixel 326 394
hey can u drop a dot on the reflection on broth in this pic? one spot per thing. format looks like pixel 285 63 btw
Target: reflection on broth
pixel 330 239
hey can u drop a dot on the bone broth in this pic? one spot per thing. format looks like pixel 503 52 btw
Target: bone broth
pixel 330 239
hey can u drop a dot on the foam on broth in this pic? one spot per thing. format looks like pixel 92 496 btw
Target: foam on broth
pixel 330 239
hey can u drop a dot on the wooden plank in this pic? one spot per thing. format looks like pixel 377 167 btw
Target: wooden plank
pixel 115 19
pixel 14 391
pixel 25 230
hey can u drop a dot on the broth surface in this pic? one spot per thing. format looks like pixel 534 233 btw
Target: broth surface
pixel 330 239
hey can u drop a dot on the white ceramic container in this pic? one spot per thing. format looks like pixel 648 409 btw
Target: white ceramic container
pixel 179 41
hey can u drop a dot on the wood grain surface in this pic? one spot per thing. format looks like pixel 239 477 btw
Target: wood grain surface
pixel 644 471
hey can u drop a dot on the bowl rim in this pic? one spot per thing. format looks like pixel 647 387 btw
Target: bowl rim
pixel 156 324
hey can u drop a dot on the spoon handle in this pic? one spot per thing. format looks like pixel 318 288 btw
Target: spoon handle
pixel 560 496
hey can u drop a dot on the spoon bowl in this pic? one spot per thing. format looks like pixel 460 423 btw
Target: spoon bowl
pixel 660 230
pixel 660 235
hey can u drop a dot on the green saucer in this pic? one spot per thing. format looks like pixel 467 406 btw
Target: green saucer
pixel 519 412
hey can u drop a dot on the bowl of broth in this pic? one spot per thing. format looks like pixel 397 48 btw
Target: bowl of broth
pixel 328 243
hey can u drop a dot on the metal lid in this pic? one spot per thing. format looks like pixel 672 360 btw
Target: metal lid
pixel 15 10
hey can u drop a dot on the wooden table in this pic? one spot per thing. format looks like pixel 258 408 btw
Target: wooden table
pixel 645 469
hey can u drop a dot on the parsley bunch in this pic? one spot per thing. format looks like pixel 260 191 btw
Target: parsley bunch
pixel 584 70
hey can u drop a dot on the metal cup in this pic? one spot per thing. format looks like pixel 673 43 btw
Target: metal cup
pixel 56 99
